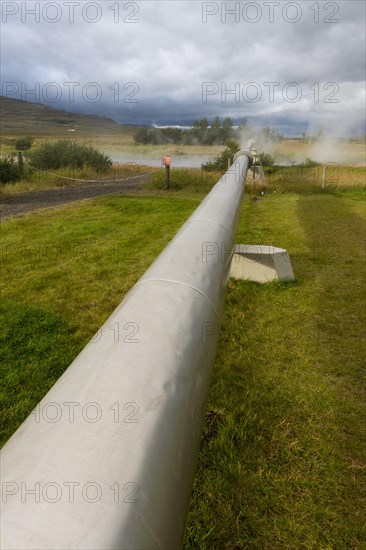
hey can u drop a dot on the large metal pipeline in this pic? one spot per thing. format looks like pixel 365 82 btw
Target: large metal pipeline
pixel 107 458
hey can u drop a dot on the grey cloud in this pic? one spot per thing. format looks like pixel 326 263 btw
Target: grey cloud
pixel 171 52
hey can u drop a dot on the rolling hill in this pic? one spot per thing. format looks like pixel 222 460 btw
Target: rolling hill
pixel 20 117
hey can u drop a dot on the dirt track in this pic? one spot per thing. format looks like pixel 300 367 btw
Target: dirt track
pixel 25 203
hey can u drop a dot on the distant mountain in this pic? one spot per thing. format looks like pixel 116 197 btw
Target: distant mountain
pixel 20 117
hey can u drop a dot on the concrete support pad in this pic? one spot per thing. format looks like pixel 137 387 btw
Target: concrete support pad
pixel 261 263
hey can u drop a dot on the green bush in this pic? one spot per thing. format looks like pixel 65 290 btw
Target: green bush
pixel 220 162
pixel 309 163
pixel 9 171
pixel 265 159
pixel 24 143
pixel 65 153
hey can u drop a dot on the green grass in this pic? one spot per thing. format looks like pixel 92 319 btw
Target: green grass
pixel 283 179
pixel 197 181
pixel 192 180
pixel 63 273
pixel 281 464
pixel 299 179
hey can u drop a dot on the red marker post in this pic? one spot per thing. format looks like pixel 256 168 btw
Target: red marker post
pixel 166 163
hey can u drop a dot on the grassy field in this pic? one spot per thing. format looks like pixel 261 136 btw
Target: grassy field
pixel 341 153
pixel 284 179
pixel 122 142
pixel 282 461
pixel 282 458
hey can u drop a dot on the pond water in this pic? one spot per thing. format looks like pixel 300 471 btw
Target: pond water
pixel 177 161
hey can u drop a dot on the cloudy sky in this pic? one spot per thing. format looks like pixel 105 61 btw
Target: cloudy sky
pixel 295 66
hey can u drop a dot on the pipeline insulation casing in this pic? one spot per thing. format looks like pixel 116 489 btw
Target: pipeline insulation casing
pixel 107 458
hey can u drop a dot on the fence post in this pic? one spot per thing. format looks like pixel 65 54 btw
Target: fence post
pixel 166 163
pixel 21 163
pixel 324 177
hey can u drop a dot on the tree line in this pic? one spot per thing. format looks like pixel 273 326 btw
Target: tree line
pixel 203 133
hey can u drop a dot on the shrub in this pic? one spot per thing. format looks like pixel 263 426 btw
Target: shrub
pixel 9 171
pixel 65 153
pixel 220 162
pixel 24 143
pixel 266 160
pixel 309 163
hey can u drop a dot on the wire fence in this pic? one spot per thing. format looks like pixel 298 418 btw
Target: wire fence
pixel 69 178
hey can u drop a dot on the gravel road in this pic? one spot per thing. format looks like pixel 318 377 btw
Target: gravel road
pixel 25 203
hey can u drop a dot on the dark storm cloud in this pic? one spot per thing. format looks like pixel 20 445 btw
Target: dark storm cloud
pixel 167 62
